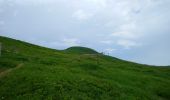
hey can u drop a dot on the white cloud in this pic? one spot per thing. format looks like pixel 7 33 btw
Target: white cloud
pixel 127 44
pixel 109 50
pixel 81 15
pixel 123 34
pixel 106 42
pixel 130 26
pixel 70 42
pixel 35 2
pixel 99 3
pixel 127 31
pixel 106 23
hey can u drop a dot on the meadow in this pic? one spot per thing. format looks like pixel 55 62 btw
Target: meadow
pixel 31 72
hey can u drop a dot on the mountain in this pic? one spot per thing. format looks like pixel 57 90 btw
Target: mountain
pixel 31 72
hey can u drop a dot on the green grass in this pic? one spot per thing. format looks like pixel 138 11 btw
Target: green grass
pixel 76 73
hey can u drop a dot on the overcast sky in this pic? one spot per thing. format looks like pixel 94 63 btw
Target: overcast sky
pixel 134 30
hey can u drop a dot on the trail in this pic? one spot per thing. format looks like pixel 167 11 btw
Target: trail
pixel 4 73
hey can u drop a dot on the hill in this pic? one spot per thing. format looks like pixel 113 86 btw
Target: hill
pixel 81 50
pixel 32 72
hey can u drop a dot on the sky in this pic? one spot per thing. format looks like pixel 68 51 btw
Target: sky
pixel 133 30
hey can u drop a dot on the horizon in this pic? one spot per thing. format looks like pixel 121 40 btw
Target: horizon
pixel 103 53
pixel 133 30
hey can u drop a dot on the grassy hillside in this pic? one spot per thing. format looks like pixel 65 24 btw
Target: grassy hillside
pixel 30 72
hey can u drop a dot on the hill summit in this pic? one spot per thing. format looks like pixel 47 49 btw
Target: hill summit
pixel 81 50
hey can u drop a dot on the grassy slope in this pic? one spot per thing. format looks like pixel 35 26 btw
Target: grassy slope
pixel 51 74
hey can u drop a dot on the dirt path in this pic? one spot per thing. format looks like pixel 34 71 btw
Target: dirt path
pixel 4 73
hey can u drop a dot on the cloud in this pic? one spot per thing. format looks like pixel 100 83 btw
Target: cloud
pixel 106 42
pixel 81 15
pixel 127 44
pixel 98 3
pixel 126 25
pixel 109 50
pixel 34 2
pixel 71 42
pixel 123 34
